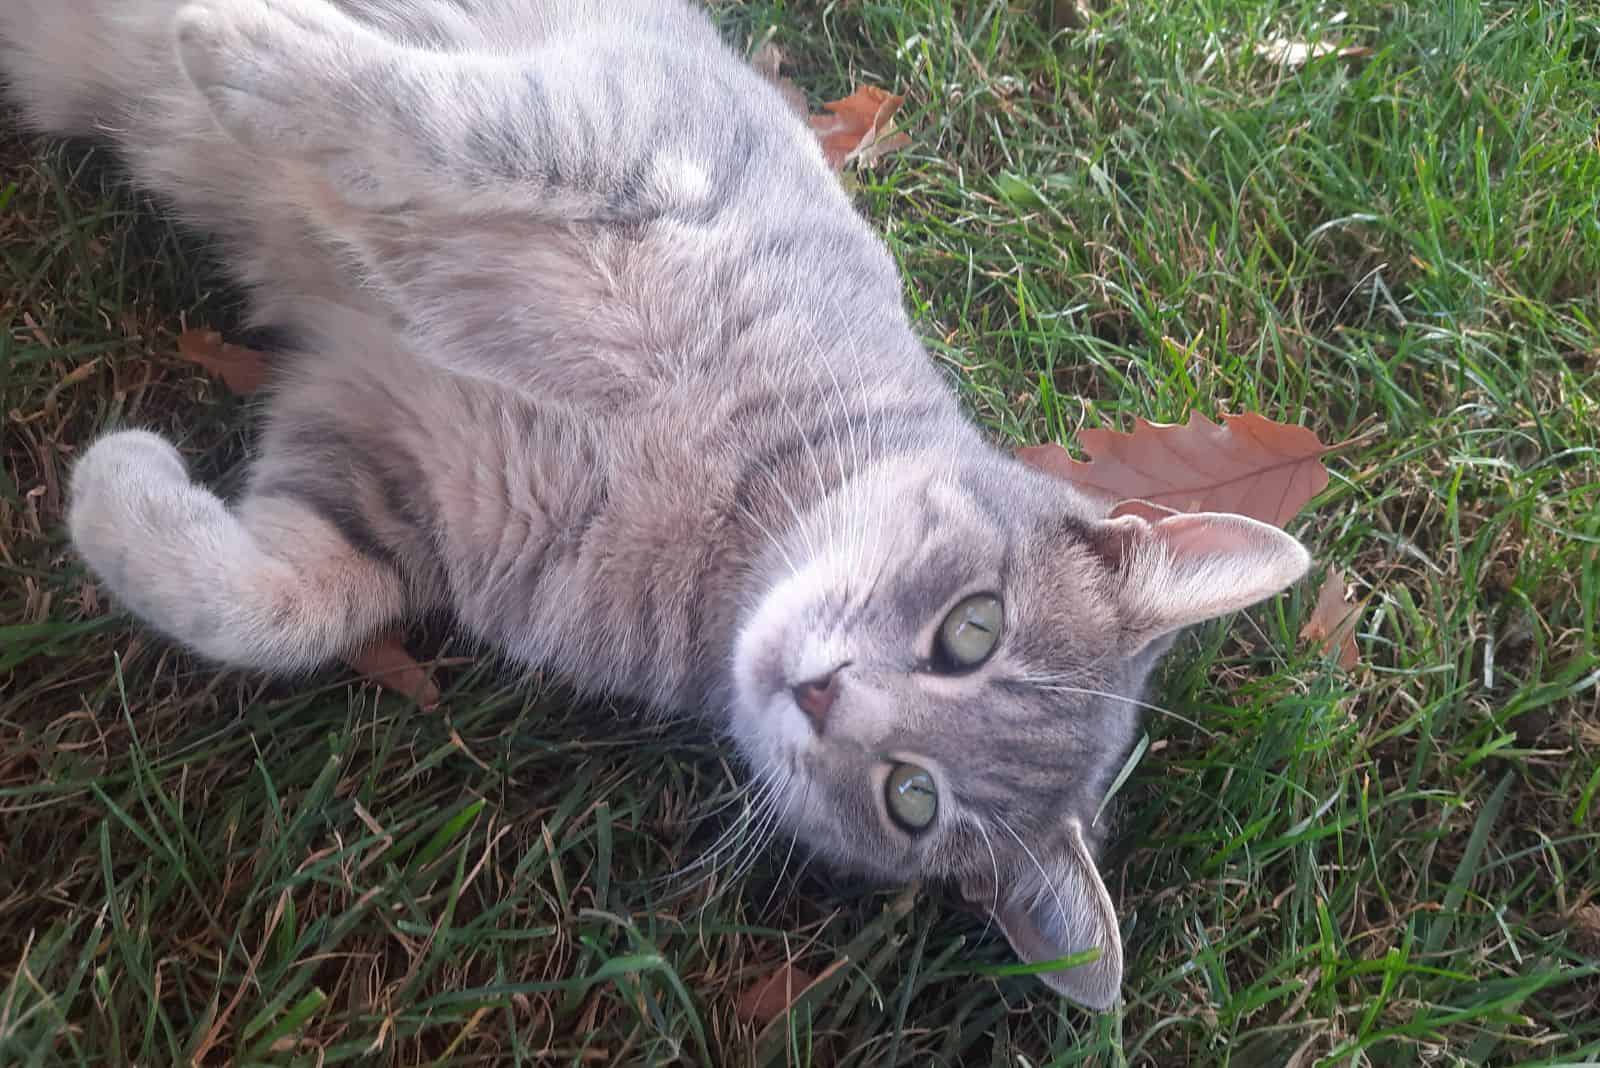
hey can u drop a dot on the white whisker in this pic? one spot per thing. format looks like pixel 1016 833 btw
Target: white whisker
pixel 820 357
pixel 794 837
pixel 994 866
pixel 765 783
pixel 805 440
pixel 1050 686
pixel 1049 883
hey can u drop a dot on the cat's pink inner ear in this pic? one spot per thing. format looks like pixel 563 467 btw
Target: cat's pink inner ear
pixel 1186 568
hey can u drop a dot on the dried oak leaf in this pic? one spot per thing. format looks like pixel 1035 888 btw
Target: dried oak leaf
pixel 766 999
pixel 1333 620
pixel 860 127
pixel 1248 465
pixel 387 663
pixel 242 370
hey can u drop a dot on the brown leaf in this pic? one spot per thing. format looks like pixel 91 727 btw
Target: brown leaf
pixel 387 663
pixel 1249 465
pixel 242 370
pixel 1333 620
pixel 766 999
pixel 859 128
pixel 1293 54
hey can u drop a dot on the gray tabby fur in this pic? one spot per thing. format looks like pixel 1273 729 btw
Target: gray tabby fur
pixel 594 352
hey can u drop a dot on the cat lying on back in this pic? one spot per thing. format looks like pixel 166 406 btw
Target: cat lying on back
pixel 592 349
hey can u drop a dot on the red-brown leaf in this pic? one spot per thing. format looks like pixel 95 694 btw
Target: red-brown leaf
pixel 387 663
pixel 1333 620
pixel 242 370
pixel 766 999
pixel 860 127
pixel 1248 465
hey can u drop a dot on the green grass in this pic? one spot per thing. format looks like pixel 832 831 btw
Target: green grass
pixel 1136 216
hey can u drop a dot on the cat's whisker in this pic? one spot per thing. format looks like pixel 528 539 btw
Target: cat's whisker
pixel 737 862
pixel 833 422
pixel 858 522
pixel 746 513
pixel 740 793
pixel 874 418
pixel 805 441
pixel 764 833
pixel 733 834
pixel 767 831
pixel 794 838
pixel 801 527
pixel 763 784
pixel 994 866
pixel 1049 883
pixel 1049 686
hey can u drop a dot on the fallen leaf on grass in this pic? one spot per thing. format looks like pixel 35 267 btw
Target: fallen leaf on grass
pixel 242 370
pixel 1286 52
pixel 1248 465
pixel 766 999
pixel 1333 620
pixel 387 663
pixel 859 128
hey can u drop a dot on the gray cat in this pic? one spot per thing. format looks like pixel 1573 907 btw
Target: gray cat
pixel 592 349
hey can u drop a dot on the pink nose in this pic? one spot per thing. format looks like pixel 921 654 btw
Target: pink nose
pixel 815 698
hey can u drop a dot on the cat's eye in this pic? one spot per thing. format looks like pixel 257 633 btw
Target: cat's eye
pixel 970 632
pixel 912 797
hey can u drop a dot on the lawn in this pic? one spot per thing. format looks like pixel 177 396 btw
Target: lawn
pixel 1118 212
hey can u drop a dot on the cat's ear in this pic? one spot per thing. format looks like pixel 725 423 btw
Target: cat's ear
pixel 1175 570
pixel 1072 915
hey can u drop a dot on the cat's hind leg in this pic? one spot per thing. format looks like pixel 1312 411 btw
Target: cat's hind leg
pixel 267 584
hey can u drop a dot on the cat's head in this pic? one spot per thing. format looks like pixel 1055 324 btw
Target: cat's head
pixel 941 677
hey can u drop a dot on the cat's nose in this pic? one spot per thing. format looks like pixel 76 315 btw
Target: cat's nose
pixel 815 698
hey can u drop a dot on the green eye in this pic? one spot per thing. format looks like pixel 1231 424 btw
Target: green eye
pixel 970 632
pixel 912 797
